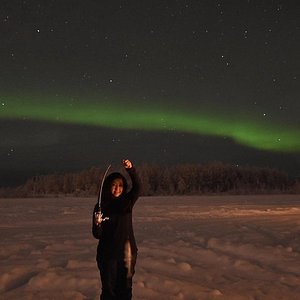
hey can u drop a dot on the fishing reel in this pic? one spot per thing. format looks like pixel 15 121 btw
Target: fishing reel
pixel 99 217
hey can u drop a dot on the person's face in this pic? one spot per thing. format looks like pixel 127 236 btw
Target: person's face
pixel 117 187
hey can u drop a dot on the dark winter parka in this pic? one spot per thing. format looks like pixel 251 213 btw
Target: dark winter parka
pixel 116 233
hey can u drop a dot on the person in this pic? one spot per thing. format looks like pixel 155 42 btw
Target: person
pixel 117 249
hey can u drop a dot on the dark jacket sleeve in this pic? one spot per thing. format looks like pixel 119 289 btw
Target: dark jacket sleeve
pixel 96 230
pixel 136 185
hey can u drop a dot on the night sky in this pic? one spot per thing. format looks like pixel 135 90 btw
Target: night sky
pixel 87 83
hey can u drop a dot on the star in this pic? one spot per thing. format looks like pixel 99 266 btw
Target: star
pixel 116 140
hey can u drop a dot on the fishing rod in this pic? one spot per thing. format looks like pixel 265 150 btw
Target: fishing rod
pixel 99 213
pixel 101 186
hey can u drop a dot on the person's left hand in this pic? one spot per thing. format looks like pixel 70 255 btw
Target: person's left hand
pixel 127 164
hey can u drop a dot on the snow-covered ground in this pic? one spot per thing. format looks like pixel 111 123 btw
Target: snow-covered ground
pixel 233 247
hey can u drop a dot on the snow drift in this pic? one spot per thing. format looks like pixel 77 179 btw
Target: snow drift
pixel 229 247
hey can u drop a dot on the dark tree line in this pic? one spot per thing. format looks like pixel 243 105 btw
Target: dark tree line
pixel 184 179
pixel 211 178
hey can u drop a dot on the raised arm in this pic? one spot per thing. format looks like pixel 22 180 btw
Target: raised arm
pixel 136 183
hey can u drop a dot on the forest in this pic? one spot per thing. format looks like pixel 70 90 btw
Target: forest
pixel 183 179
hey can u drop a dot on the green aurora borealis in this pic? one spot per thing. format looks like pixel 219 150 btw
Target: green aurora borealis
pixel 264 135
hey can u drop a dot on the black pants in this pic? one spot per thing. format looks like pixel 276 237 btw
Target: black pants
pixel 116 277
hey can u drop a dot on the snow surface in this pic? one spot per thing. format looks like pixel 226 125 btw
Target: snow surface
pixel 230 247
